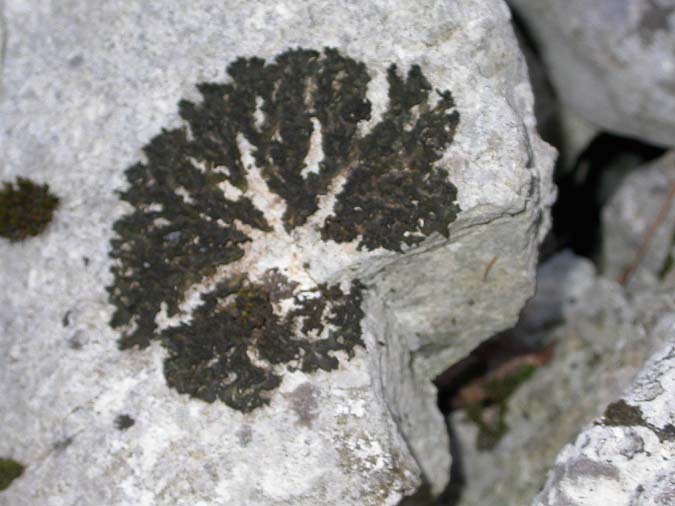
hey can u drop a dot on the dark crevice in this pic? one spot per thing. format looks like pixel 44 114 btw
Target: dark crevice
pixel 589 184
pixel 483 380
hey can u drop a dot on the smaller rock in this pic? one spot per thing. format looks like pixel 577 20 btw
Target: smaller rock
pixel 638 225
pixel 627 456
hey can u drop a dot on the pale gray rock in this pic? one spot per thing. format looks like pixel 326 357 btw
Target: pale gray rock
pixel 634 210
pixel 86 87
pixel 627 456
pixel 611 61
pixel 556 123
pixel 601 341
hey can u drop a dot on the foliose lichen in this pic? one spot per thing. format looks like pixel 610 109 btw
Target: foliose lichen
pixel 201 208
pixel 26 209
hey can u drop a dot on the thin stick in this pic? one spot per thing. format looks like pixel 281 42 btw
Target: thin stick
pixel 489 267
pixel 649 235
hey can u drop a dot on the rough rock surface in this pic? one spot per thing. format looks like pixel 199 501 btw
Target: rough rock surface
pixel 251 281
pixel 628 218
pixel 602 339
pixel 627 457
pixel 611 61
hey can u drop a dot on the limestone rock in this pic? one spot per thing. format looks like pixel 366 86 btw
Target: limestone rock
pixel 602 339
pixel 628 455
pixel 279 221
pixel 628 218
pixel 610 61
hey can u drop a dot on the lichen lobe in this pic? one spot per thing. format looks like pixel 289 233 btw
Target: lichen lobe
pixel 622 414
pixel 26 208
pixel 197 213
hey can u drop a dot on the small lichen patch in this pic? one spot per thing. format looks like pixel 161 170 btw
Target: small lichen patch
pixel 26 209
pixel 622 414
pixel 124 422
pixel 212 261
pixel 10 470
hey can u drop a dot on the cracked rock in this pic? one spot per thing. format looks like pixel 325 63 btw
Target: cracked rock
pixel 278 222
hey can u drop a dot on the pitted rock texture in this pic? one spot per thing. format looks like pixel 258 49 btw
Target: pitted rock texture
pixel 610 61
pixel 251 166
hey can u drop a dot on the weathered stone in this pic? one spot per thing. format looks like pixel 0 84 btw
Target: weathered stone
pixel 628 455
pixel 640 205
pixel 279 221
pixel 601 341
pixel 611 61
pixel 556 123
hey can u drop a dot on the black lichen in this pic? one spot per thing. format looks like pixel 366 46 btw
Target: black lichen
pixel 622 414
pixel 123 422
pixel 210 358
pixel 394 194
pixel 184 229
pixel 26 209
pixel 10 470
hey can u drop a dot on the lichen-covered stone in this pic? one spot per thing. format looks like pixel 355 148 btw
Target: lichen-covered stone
pixel 194 212
pixel 284 209
pixel 626 456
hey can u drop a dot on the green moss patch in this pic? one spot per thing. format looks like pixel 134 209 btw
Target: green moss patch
pixel 10 470
pixel 26 209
